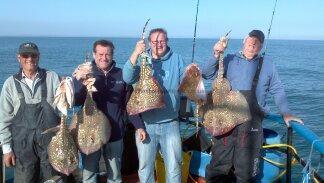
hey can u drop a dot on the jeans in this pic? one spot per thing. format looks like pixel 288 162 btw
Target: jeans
pixel 112 154
pixel 164 137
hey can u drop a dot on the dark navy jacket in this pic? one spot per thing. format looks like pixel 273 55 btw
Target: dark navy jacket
pixel 111 98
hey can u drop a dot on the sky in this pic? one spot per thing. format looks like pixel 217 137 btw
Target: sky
pixel 293 19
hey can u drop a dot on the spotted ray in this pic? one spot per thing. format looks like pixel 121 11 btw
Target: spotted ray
pixel 224 109
pixel 192 84
pixel 62 151
pixel 147 93
pixel 90 127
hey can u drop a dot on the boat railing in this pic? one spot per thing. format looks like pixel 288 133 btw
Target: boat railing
pixel 304 132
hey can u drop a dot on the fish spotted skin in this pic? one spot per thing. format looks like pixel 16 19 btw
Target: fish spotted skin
pixel 62 151
pixel 91 127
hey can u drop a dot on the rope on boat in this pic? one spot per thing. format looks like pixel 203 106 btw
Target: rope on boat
pixel 192 179
pixel 308 170
pixel 278 164
pixel 294 161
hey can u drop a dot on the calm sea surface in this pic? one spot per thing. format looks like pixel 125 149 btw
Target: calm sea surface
pixel 299 63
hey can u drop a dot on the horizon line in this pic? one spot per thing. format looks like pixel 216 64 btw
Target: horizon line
pixel 133 37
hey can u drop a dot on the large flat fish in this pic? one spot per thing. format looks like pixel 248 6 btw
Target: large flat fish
pixel 62 151
pixel 222 117
pixel 147 93
pixel 221 88
pixel 90 127
pixel 225 108
pixel 192 84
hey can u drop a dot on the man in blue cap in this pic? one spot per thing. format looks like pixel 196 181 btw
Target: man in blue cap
pixel 26 110
pixel 254 78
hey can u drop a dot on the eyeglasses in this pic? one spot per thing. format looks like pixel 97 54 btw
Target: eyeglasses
pixel 24 55
pixel 162 42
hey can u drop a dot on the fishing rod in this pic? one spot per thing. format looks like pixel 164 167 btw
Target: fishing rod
pixel 144 28
pixel 228 33
pixel 145 54
pixel 195 31
pixel 269 30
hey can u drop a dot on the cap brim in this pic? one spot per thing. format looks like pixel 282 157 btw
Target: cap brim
pixel 256 36
pixel 29 52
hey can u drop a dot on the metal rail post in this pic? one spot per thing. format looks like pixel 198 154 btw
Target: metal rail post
pixel 289 155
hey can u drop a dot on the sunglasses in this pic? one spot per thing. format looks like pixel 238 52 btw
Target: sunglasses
pixel 24 55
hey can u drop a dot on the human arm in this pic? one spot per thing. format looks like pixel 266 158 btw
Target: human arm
pixel 209 69
pixel 136 120
pixel 82 76
pixel 141 133
pixel 80 92
pixel 139 125
pixel 6 117
pixel 139 49
pixel 277 90
pixel 288 117
pixel 131 70
pixel 9 159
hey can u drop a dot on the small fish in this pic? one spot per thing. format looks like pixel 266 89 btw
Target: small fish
pixel 62 151
pixel 147 93
pixel 90 126
pixel 192 84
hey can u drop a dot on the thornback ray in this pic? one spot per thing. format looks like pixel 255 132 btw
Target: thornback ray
pixel 192 84
pixel 147 93
pixel 90 127
pixel 62 151
pixel 224 108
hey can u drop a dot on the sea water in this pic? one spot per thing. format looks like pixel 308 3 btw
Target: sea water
pixel 300 64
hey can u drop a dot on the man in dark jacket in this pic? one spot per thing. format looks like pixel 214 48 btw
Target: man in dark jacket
pixel 111 99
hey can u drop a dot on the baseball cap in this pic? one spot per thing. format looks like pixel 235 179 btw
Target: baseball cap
pixel 28 47
pixel 258 34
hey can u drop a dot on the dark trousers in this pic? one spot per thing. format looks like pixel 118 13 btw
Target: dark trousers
pixel 32 162
pixel 238 149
